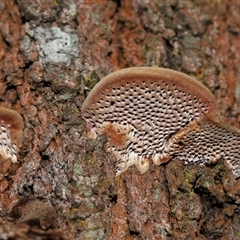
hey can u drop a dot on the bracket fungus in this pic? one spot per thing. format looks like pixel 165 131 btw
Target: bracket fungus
pixel 150 113
pixel 11 127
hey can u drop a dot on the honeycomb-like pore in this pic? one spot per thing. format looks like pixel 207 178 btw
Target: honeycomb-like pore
pixel 207 143
pixel 141 109
pixel 11 133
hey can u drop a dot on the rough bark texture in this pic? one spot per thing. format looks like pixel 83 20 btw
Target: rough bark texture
pixel 51 54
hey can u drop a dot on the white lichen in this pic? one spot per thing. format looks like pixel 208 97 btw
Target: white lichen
pixel 55 45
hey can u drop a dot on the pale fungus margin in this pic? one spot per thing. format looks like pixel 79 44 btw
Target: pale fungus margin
pixel 150 113
pixel 11 133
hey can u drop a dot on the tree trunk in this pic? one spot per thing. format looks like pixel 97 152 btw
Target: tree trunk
pixel 63 186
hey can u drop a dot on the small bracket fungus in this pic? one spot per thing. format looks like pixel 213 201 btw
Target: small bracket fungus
pixel 11 126
pixel 154 114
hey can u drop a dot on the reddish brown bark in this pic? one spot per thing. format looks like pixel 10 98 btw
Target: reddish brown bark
pixel 51 54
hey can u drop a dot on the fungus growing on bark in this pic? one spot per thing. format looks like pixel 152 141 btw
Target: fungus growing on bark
pixel 11 126
pixel 207 144
pixel 153 114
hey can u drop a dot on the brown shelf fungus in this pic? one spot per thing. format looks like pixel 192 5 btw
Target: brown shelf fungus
pixel 150 113
pixel 11 133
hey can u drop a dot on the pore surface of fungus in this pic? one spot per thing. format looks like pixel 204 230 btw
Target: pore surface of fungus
pixel 152 113
pixel 208 143
pixel 11 127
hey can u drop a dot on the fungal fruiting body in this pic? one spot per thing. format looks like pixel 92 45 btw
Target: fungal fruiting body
pixel 11 126
pixel 207 144
pixel 153 114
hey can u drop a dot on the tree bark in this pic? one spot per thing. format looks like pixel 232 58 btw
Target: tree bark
pixel 63 187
